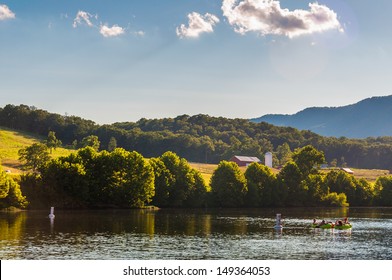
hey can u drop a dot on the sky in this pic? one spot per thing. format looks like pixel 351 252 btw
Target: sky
pixel 123 60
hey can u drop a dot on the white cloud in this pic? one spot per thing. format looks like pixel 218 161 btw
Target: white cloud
pixel 6 13
pixel 197 24
pixel 139 33
pixel 113 31
pixel 267 17
pixel 83 17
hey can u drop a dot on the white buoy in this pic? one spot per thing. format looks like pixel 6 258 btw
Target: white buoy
pixel 278 224
pixel 51 215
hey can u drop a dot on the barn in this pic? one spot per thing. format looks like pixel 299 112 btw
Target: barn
pixel 348 170
pixel 244 160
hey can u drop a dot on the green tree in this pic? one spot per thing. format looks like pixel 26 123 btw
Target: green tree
pixel 228 185
pixel 316 189
pixel 283 153
pixel 197 196
pixel 342 182
pixel 34 156
pixel 364 193
pixel 177 184
pixel 52 142
pixel 383 191
pixel 90 141
pixel 131 180
pixel 334 163
pixel 89 178
pixel 164 182
pixel 10 193
pixel 65 183
pixel 261 184
pixel 292 191
pixel 112 144
pixel 308 160
pixel 207 146
pixel 334 199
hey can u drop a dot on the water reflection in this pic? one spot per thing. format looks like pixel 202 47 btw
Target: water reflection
pixel 12 225
pixel 195 234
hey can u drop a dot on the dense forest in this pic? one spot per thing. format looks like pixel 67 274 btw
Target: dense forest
pixel 200 138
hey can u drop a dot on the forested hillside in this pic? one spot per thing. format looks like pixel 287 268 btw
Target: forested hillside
pixel 200 138
pixel 369 117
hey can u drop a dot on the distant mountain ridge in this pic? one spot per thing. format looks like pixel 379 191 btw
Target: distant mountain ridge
pixel 370 117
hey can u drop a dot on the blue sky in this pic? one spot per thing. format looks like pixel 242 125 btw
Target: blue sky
pixel 124 60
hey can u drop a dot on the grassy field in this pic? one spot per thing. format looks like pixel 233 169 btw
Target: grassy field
pixel 207 170
pixel 11 141
pixel 370 175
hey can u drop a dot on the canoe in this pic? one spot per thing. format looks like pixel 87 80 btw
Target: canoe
pixel 329 226
pixel 346 226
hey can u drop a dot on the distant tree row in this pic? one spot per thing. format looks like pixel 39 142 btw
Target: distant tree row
pixel 88 178
pixel 199 138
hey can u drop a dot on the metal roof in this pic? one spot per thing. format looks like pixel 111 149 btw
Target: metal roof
pixel 247 159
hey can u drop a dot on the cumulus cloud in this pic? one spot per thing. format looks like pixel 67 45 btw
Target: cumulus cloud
pixel 267 17
pixel 6 13
pixel 105 30
pixel 113 31
pixel 83 17
pixel 197 24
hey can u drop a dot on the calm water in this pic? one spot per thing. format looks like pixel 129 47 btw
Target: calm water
pixel 195 234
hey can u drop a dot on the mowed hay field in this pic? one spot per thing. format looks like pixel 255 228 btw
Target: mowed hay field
pixel 207 170
pixel 11 141
pixel 370 175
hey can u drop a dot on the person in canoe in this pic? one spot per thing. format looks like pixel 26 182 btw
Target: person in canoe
pixel 322 223
pixel 341 223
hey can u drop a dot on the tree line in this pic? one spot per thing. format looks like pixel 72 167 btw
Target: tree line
pixel 88 178
pixel 200 138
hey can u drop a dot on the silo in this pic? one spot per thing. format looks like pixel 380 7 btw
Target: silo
pixel 268 159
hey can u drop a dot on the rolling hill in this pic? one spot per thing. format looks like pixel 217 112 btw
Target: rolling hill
pixel 367 118
pixel 11 141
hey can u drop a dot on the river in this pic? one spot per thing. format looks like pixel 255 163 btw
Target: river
pixel 195 234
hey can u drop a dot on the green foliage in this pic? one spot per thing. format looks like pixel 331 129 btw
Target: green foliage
pixel 176 183
pixel 131 178
pixel 308 159
pixel 34 156
pixel 164 182
pixel 119 178
pixel 10 193
pixel 112 144
pixel 283 153
pixel 90 141
pixel 342 182
pixel 334 199
pixel 52 142
pixel 228 185
pixel 289 179
pixel 316 189
pixel 202 138
pixel 262 189
pixel 383 188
